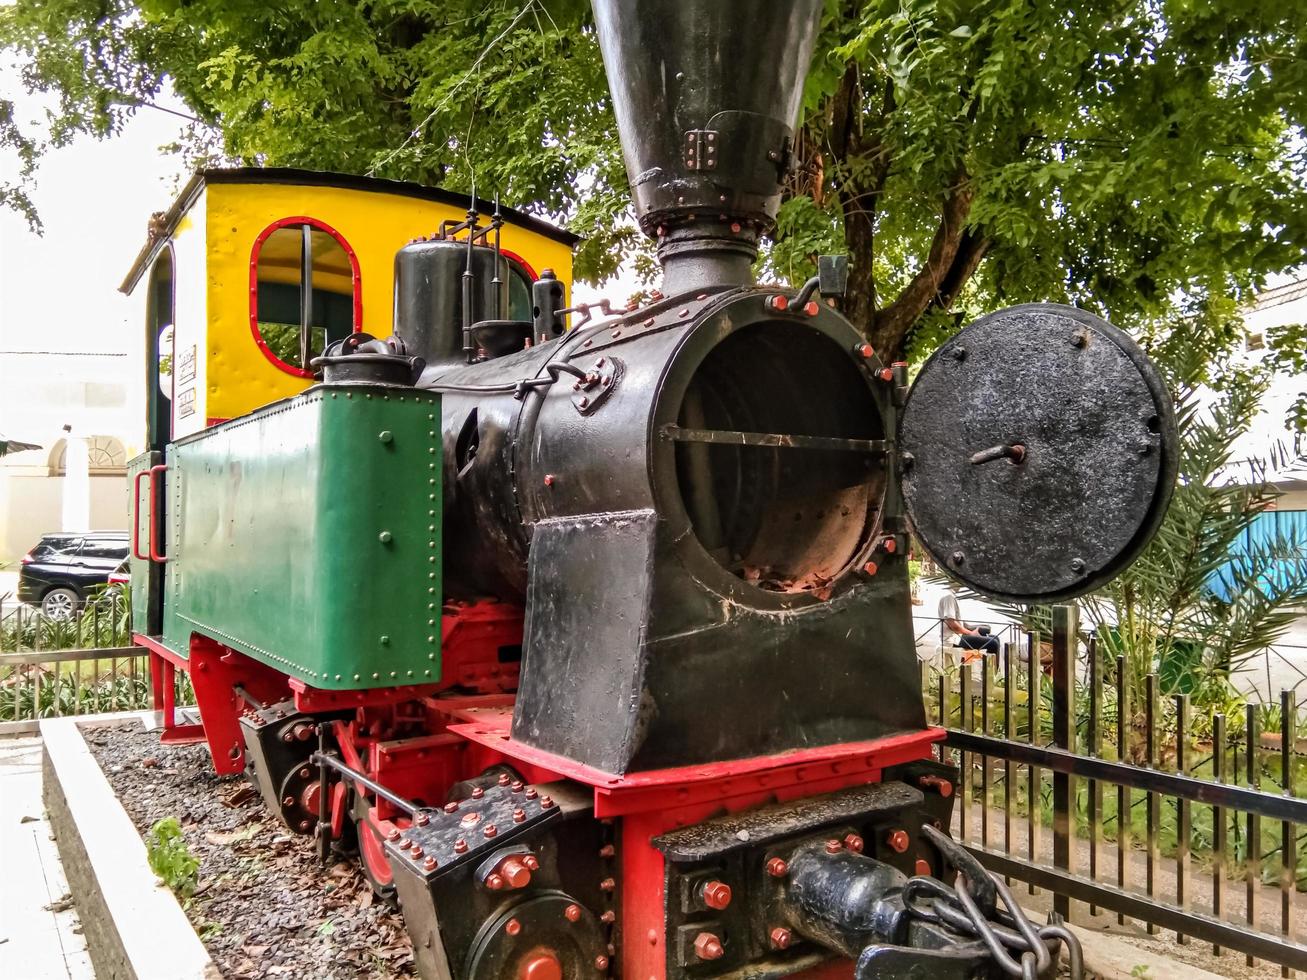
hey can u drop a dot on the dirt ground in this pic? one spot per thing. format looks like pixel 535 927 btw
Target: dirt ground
pixel 264 907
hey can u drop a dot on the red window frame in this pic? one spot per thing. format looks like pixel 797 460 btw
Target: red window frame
pixel 356 283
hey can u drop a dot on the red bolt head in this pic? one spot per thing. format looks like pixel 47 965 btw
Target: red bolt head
pixel 572 913
pixel 781 938
pixel 608 918
pixel 504 779
pixel 405 843
pixel 422 820
pixel 708 947
pixel 519 816
pixel 491 830
pixel 871 568
pixel 601 962
pixel 451 807
pixel 607 851
pixel 865 351
pixel 716 894
pixel 834 847
pixel 885 374
pixel 532 862
pixel 393 835
pixel 430 864
pixel 549 479
pixel 778 302
pixel 937 783
pixel 512 927
pixel 922 868
pixel 516 786
pixel 607 885
pixel 477 792
pixel 288 801
pixel 890 545
pixel 735 227
pixel 546 802
pixel 494 882
pixel 531 794
pixel 811 307
pixel 416 852
pixel 854 843
pixel 898 840
pixel 777 868
pixel 460 846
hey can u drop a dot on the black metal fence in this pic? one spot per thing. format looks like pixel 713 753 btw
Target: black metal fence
pixel 1086 781
pixel 76 665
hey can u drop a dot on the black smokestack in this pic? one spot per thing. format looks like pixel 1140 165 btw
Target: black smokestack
pixel 706 94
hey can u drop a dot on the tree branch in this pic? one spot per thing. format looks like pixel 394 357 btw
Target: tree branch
pixel 892 323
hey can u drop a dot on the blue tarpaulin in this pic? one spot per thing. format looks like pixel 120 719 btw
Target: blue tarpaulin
pixel 1267 527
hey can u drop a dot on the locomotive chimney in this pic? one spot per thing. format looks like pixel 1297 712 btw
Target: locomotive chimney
pixel 706 94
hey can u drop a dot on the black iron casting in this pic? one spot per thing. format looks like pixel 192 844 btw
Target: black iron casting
pixel 1039 451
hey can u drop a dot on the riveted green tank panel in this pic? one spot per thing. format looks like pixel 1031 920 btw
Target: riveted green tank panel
pixel 307 536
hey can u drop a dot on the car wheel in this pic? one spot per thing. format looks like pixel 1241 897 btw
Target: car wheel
pixel 60 603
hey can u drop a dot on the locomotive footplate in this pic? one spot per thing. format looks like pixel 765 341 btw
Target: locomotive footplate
pixel 498 884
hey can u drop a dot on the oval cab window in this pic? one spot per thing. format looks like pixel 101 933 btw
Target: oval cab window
pixel 304 292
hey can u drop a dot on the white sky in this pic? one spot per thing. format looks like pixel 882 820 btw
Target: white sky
pixel 60 291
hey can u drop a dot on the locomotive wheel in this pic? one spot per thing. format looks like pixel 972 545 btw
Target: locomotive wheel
pixel 372 854
pixel 549 936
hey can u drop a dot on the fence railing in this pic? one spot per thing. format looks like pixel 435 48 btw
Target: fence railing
pixel 1087 782
pixel 79 665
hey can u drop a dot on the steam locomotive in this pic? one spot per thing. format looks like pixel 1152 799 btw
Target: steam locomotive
pixel 594 637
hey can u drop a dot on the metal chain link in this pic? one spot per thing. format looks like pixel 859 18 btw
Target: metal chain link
pixel 1000 929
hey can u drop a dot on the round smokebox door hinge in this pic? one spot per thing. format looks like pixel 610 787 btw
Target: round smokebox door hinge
pixel 1037 451
pixel 600 379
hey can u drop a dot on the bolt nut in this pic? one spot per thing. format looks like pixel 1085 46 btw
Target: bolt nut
pixel 834 847
pixel 393 835
pixel 870 568
pixel 494 882
pixel 865 351
pixel 898 840
pixel 938 783
pixel 512 927
pixel 549 479
pixel 716 894
pixel 532 862
pixel 777 868
pixel 922 868
pixel 477 792
pixel 491 830
pixel 1077 565
pixel 854 843
pixel 781 938
pixel 430 864
pixel 405 843
pixel 572 913
pixel 607 851
pixel 777 302
pixel 608 918
pixel 811 307
pixel 885 374
pixel 708 947
pixel 601 962
pixel 890 545
pixel 607 885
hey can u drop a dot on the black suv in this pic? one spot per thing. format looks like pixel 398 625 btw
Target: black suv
pixel 63 569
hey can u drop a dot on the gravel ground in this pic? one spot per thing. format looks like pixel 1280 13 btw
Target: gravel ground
pixel 263 907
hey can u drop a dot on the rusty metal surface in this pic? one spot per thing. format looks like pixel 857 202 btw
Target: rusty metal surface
pixel 1038 451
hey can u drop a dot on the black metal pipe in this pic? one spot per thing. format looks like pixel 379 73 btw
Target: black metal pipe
pixel 321 758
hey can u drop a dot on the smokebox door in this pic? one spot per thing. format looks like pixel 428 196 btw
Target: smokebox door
pixel 1037 451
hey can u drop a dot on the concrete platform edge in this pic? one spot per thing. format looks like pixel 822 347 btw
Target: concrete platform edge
pixel 133 925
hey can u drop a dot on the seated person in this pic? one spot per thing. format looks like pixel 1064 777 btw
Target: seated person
pixel 967 637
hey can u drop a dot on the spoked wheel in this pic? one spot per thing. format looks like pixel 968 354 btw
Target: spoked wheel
pixel 60 604
pixel 372 855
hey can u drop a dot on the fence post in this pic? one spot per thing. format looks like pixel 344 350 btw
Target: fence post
pixel 1065 631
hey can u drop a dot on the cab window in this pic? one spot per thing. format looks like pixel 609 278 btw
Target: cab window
pixel 304 292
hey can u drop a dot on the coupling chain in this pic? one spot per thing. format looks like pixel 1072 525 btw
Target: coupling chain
pixel 971 907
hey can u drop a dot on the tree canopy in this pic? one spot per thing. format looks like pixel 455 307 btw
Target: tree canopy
pixel 1125 155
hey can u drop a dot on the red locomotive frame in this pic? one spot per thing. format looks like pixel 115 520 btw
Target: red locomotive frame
pixel 461 727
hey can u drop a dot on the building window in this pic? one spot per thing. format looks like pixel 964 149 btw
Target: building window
pixel 304 292
pixel 105 456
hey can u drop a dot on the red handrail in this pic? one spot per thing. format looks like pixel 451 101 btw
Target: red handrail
pixel 136 520
pixel 154 554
